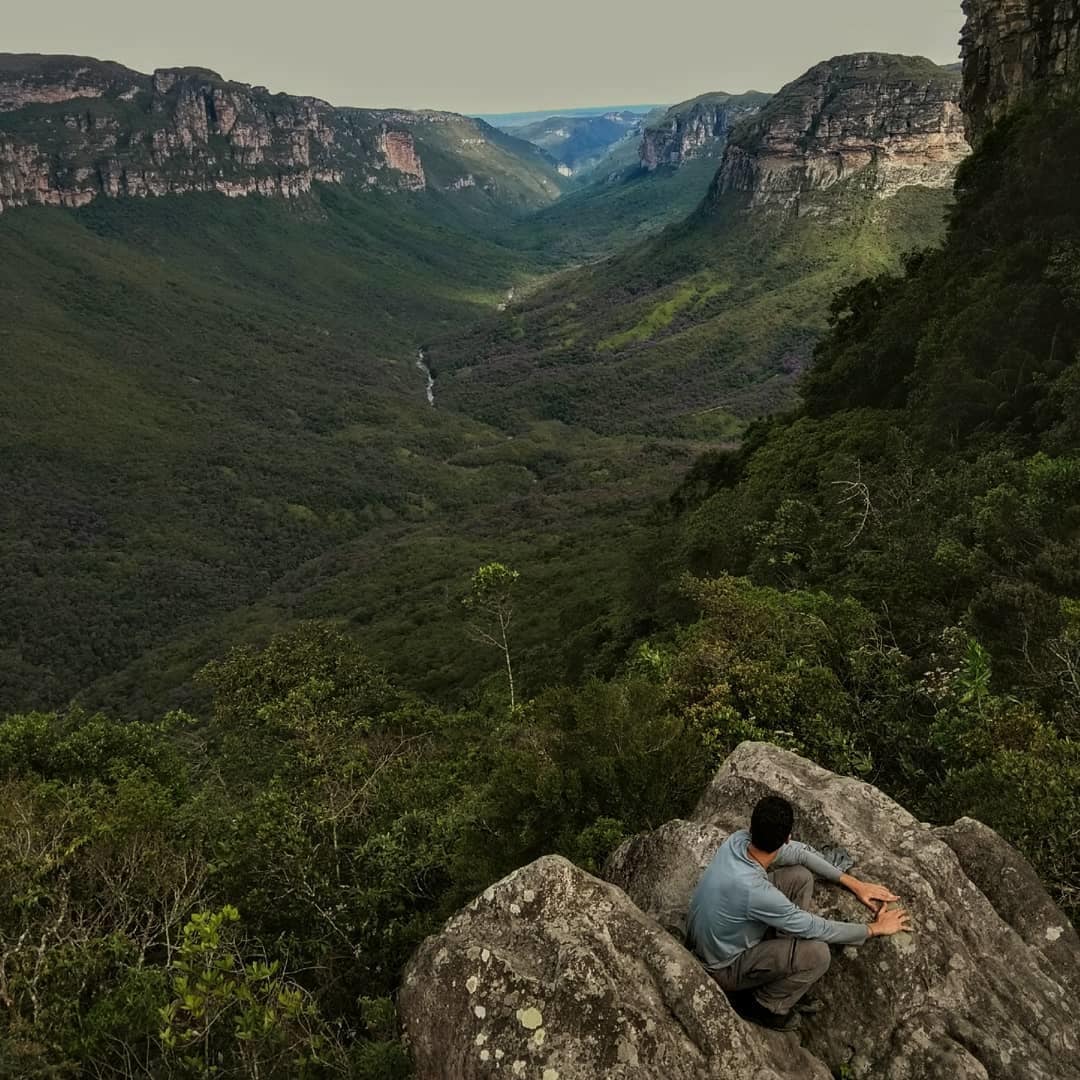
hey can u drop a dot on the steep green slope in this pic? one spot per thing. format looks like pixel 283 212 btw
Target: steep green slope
pixel 202 392
pixel 695 331
pixel 689 334
pixel 488 168
pixel 612 213
pixel 932 478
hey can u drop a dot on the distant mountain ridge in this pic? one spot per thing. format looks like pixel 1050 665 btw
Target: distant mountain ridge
pixel 74 128
pixel 577 142
pixel 518 119
pixel 696 127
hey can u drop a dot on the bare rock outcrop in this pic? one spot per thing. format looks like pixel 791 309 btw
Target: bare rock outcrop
pixel 552 974
pixel 1010 48
pixel 1010 883
pixel 399 149
pixel 695 128
pixel 965 994
pixel 887 122
pixel 555 975
pixel 77 129
pixel 658 870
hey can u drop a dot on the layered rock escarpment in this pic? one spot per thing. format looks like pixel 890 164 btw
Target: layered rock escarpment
pixel 557 975
pixel 399 149
pixel 695 128
pixel 34 79
pixel 74 129
pixel 888 122
pixel 1012 46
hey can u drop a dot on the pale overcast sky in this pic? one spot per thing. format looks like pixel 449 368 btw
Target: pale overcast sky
pixel 489 55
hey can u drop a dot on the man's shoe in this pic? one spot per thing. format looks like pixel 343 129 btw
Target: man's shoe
pixel 756 1013
pixel 742 1001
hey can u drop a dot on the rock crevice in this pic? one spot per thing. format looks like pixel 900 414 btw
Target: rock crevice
pixel 1010 48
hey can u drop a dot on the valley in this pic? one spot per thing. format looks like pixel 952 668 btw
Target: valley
pixel 291 468
pixel 399 508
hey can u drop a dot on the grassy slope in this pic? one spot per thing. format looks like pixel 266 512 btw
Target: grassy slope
pixel 688 334
pixel 605 217
pixel 509 172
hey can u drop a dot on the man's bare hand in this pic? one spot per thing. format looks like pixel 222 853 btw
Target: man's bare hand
pixel 875 897
pixel 890 921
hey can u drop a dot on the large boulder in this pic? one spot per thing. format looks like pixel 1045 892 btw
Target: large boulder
pixel 552 974
pixel 984 985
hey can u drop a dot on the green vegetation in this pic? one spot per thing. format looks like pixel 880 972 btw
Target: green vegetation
pixel 717 314
pixel 201 394
pixel 932 477
pixel 219 446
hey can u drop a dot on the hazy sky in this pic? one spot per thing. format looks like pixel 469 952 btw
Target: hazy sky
pixel 488 55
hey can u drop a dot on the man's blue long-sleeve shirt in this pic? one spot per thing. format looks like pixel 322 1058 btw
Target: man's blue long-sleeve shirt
pixel 735 904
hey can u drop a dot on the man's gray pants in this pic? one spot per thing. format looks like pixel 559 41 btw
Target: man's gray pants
pixel 781 969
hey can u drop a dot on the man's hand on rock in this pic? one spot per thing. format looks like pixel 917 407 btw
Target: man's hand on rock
pixel 875 897
pixel 890 921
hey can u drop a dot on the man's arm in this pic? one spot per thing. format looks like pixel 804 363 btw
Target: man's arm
pixel 770 906
pixel 795 854
pixel 875 897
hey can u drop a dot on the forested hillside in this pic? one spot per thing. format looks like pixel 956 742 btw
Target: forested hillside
pixel 885 579
pixel 708 325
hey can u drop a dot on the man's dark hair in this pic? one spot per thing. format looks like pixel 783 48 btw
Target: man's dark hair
pixel 770 823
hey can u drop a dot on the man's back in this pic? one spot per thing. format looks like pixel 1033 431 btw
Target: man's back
pixel 735 904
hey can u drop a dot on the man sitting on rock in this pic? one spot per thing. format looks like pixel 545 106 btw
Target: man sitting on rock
pixel 749 925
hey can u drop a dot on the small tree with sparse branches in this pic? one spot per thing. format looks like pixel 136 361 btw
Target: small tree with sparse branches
pixel 490 604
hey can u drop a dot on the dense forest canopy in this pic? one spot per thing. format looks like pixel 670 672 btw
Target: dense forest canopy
pixel 885 579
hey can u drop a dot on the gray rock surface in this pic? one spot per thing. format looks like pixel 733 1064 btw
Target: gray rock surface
pixel 660 869
pixel 552 974
pixel 964 994
pixel 1011 47
pixel 696 128
pixel 880 121
pixel 974 992
pixel 1010 883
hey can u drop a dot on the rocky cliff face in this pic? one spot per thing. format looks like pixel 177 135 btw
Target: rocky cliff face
pixel 73 129
pixel 556 975
pixel 400 152
pixel 695 128
pixel 889 121
pixel 76 129
pixel 1011 46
